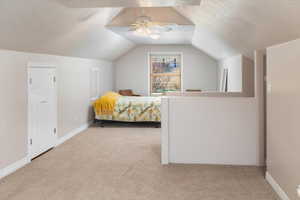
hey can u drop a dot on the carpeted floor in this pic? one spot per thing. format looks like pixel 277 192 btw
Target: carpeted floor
pixel 124 164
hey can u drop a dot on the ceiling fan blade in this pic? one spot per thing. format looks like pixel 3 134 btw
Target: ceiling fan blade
pixel 165 24
pixel 132 29
pixel 134 24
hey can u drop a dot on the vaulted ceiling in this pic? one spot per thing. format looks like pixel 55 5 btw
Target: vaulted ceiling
pixel 47 26
pixel 127 3
pixel 228 27
pixel 222 27
pixel 181 33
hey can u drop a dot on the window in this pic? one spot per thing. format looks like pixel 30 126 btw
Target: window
pixel 165 73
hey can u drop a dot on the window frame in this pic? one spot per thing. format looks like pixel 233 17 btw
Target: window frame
pixel 150 70
pixel 95 84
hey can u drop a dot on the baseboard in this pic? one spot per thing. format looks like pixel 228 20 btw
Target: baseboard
pixel 281 193
pixel 21 163
pixel 13 167
pixel 73 133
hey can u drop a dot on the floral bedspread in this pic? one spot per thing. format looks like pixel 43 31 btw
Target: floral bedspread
pixel 135 109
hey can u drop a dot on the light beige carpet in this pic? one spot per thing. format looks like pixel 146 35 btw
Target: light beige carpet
pixel 124 164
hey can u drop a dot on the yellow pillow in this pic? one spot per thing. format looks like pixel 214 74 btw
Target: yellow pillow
pixel 106 104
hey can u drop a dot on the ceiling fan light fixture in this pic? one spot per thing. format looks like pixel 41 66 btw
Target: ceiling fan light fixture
pixel 147 32
pixel 144 26
pixel 155 36
pixel 143 31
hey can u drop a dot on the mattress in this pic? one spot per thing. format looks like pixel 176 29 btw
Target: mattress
pixel 135 109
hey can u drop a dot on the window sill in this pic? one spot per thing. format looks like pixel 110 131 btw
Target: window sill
pixel 156 94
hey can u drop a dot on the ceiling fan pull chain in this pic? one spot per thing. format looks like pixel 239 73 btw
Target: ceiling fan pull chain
pixel 143 12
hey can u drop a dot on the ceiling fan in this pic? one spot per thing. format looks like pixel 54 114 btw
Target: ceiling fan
pixel 146 27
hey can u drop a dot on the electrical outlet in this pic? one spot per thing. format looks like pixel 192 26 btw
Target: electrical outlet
pixel 298 191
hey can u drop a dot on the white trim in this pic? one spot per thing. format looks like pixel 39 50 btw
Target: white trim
pixel 94 99
pixel 148 74
pixel 31 65
pixel 164 53
pixel 281 44
pixel 24 161
pixel 95 89
pixel 165 131
pixel 281 193
pixel 40 65
pixel 14 167
pixel 73 133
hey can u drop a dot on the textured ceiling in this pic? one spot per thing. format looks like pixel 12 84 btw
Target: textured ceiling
pixel 159 14
pixel 182 33
pixel 127 3
pixel 223 27
pixel 46 26
pixel 228 27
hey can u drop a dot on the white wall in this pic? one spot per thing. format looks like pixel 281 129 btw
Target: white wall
pixel 214 130
pixel 240 74
pixel 260 73
pixel 283 108
pixel 235 78
pixel 132 69
pixel 248 68
pixel 73 97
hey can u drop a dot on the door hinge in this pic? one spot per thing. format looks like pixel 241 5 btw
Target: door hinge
pixel 54 79
pixel 30 141
pixel 30 81
pixel 54 131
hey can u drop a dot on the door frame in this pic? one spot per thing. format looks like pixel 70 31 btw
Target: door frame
pixel 31 65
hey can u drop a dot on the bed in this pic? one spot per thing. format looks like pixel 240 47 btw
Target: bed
pixel 132 109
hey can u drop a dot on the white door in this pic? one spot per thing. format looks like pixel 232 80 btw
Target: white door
pixel 42 110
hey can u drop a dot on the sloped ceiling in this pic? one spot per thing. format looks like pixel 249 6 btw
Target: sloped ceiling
pixel 223 27
pixel 229 27
pixel 127 3
pixel 182 32
pixel 46 26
